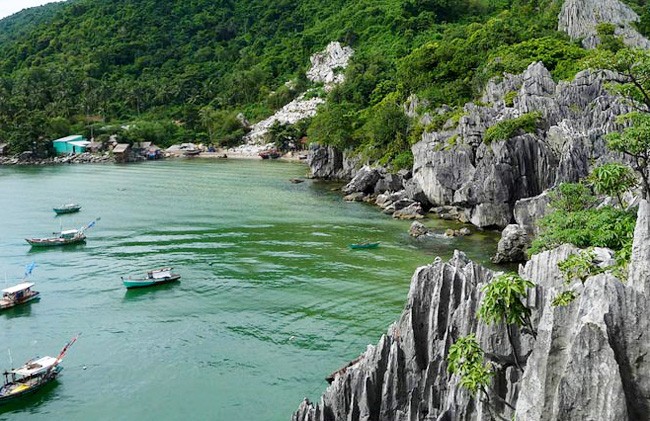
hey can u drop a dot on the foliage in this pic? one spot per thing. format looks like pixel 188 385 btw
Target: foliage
pixel 128 61
pixel 604 227
pixel 634 141
pixel 465 358
pixel 502 300
pixel 506 129
pixel 286 137
pixel 564 298
pixel 608 40
pixel 571 197
pixel 578 266
pixel 612 180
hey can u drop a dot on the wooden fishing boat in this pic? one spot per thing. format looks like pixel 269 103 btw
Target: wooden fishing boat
pixel 67 208
pixel 365 245
pixel 18 294
pixel 153 278
pixel 65 237
pixel 270 154
pixel 32 376
pixel 192 152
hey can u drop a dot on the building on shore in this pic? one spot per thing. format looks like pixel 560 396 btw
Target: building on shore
pixel 72 144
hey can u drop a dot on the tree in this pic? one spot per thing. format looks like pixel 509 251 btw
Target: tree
pixel 634 142
pixel 502 302
pixel 466 358
pixel 612 180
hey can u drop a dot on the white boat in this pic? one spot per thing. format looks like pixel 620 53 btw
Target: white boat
pixel 154 277
pixel 18 294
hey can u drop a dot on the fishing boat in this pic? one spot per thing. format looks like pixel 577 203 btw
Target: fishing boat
pixel 65 237
pixel 365 245
pixel 270 154
pixel 21 293
pixel 32 376
pixel 67 208
pixel 154 277
pixel 192 152
pixel 18 294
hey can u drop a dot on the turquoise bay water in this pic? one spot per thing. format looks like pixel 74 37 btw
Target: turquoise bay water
pixel 270 301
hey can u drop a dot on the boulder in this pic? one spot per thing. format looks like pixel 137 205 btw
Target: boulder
pixel 412 211
pixel 355 197
pixel 514 242
pixel 418 229
pixel 364 181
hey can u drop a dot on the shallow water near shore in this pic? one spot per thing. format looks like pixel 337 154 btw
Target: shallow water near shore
pixel 270 302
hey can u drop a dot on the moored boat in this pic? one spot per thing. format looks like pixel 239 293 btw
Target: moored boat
pixel 21 293
pixel 270 153
pixel 65 237
pixel 154 277
pixel 365 245
pixel 32 376
pixel 18 294
pixel 67 208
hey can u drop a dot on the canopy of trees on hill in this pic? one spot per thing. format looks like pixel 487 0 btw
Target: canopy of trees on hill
pixel 167 65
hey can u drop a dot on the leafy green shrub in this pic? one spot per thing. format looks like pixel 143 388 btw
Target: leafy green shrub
pixel 564 298
pixel 578 266
pixel 571 197
pixel 502 300
pixel 612 180
pixel 465 358
pixel 506 129
pixel 509 98
pixel 605 227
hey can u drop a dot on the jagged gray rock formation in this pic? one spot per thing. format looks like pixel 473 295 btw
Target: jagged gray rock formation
pixel 589 361
pixel 455 167
pixel 324 65
pixel 579 19
pixel 513 244
pixel 329 163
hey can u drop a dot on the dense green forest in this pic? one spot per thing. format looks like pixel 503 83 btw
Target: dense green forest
pixel 177 70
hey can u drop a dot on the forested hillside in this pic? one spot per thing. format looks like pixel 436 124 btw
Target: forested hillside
pixel 174 69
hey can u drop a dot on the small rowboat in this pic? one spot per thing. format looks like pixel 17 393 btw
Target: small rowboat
pixel 364 246
pixel 32 376
pixel 67 208
pixel 153 278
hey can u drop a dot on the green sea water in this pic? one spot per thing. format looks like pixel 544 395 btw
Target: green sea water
pixel 270 302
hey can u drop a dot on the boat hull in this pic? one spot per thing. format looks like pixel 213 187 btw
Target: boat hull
pixel 145 283
pixel 9 304
pixel 54 242
pixel 61 211
pixel 364 246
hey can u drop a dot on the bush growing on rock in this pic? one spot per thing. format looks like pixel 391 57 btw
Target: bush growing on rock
pixel 506 129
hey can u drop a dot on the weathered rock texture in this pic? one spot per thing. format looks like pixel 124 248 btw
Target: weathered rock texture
pixel 589 361
pixel 326 68
pixel 512 247
pixel 455 167
pixel 579 19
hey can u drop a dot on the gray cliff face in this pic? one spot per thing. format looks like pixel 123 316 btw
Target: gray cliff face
pixel 579 19
pixel 589 361
pixel 457 168
pixel 328 163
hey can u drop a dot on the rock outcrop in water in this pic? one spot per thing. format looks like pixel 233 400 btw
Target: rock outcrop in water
pixel 589 360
